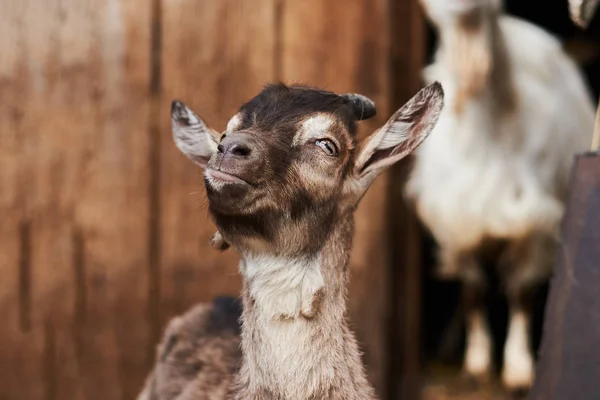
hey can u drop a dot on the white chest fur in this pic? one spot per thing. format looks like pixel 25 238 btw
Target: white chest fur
pixel 283 288
pixel 290 353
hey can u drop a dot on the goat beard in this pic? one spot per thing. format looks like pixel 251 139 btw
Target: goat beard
pixel 471 58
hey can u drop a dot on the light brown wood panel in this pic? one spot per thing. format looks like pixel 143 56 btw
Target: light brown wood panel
pixel 23 341
pixel 74 87
pixel 343 46
pixel 54 142
pixel 110 249
pixel 9 210
pixel 215 56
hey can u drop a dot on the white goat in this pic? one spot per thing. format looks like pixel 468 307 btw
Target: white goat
pixel 495 167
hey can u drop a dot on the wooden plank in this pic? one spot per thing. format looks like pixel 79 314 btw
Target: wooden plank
pixel 92 334
pixel 569 362
pixel 215 55
pixel 22 342
pixel 408 58
pixel 11 213
pixel 109 257
pixel 54 117
pixel 343 46
pixel 53 145
pixel 74 87
pixel 134 62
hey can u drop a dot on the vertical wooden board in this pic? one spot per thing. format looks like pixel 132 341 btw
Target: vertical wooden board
pixel 408 57
pixel 10 212
pixel 131 102
pixel 569 363
pixel 47 172
pixel 74 248
pixel 22 341
pixel 53 148
pixel 343 46
pixel 109 242
pixel 215 56
pixel 54 119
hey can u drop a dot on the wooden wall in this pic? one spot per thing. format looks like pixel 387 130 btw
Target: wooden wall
pixel 105 232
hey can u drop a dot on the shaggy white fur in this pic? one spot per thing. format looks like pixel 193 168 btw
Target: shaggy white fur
pixel 496 165
pixel 479 175
pixel 282 288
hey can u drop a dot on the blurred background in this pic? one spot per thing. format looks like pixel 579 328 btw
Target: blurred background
pixel 104 232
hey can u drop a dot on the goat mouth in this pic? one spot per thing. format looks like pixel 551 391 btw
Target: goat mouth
pixel 219 178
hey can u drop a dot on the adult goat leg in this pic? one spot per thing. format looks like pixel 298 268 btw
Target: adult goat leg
pixel 478 352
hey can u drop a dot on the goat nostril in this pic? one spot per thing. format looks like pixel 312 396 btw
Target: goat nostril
pixel 220 148
pixel 239 150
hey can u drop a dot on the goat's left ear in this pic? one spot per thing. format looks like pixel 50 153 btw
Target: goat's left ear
pixel 192 136
pixel 401 134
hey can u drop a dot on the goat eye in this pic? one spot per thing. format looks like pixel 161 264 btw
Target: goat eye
pixel 327 146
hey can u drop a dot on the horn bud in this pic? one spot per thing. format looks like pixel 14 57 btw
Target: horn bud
pixel 362 107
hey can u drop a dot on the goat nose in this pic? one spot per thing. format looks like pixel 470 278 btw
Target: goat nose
pixel 235 149
pixel 239 149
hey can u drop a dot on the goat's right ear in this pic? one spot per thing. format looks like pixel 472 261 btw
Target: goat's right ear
pixel 196 140
pixel 401 134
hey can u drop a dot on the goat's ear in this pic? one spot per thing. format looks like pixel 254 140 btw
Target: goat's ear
pixel 196 140
pixel 401 134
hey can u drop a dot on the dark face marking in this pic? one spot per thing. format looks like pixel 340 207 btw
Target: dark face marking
pixel 289 176
pixel 280 107
pixel 285 171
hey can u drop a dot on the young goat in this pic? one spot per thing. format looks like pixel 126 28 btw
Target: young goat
pixel 283 182
pixel 496 166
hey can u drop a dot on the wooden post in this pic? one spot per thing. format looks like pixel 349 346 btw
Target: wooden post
pixel 73 289
pixel 569 364
pixel 596 135
pixel 407 35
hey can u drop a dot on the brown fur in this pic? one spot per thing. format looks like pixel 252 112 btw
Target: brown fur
pixel 194 360
pixel 342 375
pixel 479 60
pixel 283 184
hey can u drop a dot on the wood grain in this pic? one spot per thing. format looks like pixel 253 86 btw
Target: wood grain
pixel 74 191
pixel 407 60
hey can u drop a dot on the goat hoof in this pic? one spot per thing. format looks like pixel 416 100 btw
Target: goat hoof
pixel 477 366
pixel 517 377
pixel 218 242
pixel 520 393
pixel 476 380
